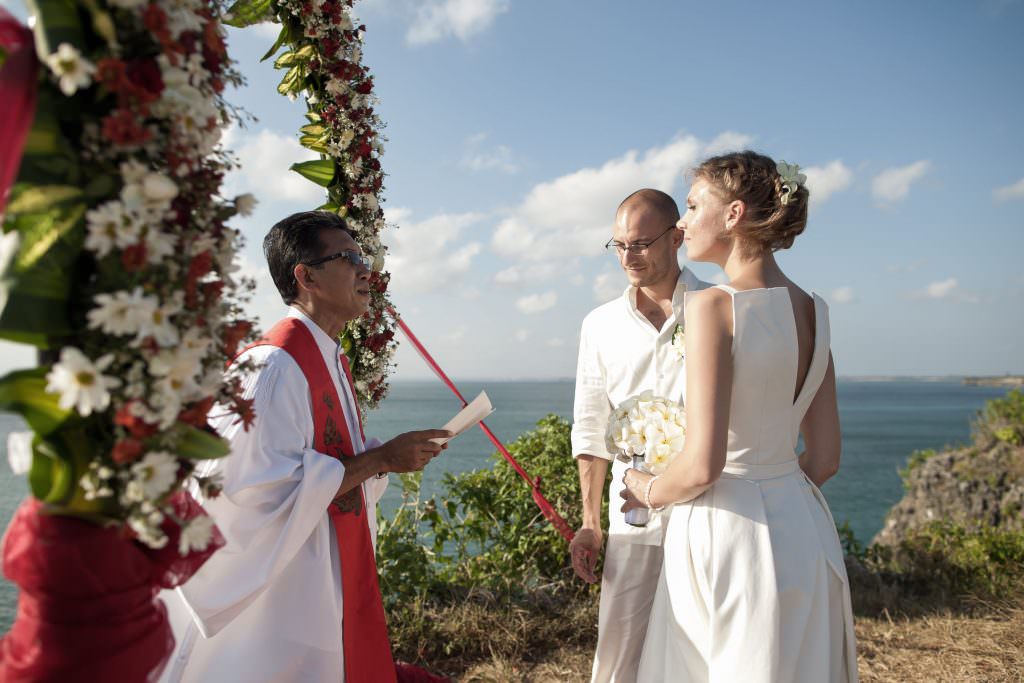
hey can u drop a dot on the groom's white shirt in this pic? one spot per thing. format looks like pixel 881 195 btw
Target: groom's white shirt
pixel 268 605
pixel 622 355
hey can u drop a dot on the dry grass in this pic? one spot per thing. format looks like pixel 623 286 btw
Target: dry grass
pixel 943 647
pixel 985 644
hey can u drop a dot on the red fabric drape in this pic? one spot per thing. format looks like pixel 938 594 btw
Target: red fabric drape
pixel 18 81
pixel 87 607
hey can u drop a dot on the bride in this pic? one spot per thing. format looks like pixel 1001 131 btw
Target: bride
pixel 753 586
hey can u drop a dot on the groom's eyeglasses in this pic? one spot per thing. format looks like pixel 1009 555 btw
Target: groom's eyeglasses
pixel 637 248
pixel 353 257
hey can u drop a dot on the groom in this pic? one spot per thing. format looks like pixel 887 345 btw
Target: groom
pixel 293 595
pixel 626 348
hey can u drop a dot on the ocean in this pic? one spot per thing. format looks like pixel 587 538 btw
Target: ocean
pixel 882 423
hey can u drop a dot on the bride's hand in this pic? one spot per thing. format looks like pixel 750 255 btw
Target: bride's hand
pixel 635 483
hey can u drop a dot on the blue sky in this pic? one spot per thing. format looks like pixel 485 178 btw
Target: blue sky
pixel 515 128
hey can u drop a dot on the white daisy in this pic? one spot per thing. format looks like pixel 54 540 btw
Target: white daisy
pixel 196 535
pixel 244 204
pixel 122 312
pixel 73 70
pixel 110 225
pixel 80 382
pixel 159 326
pixel 155 474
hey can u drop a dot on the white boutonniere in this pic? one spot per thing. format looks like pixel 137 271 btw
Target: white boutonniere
pixel 678 341
pixel 790 178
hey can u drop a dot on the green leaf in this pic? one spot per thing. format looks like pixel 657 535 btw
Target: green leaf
pixel 24 392
pixel 39 198
pixel 320 171
pixel 197 444
pixel 57 21
pixel 248 12
pixel 314 143
pixel 313 117
pixel 36 285
pixel 316 129
pixel 282 38
pixel 50 475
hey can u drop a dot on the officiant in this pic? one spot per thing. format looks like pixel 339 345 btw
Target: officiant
pixel 294 593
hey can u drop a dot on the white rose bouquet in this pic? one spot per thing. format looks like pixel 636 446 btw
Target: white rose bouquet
pixel 648 426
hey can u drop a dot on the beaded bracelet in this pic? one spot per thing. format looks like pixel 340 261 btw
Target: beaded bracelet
pixel 647 493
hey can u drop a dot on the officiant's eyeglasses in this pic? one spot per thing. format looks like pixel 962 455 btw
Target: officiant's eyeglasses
pixel 637 248
pixel 353 257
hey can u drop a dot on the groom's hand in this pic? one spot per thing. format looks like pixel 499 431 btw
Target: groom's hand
pixel 584 550
pixel 411 451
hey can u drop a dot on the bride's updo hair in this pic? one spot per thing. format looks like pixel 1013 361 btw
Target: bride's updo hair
pixel 768 224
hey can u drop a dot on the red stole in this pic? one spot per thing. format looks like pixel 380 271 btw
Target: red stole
pixel 364 630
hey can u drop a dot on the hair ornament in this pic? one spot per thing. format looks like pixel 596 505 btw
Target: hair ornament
pixel 790 178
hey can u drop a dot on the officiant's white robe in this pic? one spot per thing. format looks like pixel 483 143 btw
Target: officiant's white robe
pixel 622 355
pixel 268 605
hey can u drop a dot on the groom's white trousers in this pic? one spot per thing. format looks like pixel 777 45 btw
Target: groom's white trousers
pixel 628 582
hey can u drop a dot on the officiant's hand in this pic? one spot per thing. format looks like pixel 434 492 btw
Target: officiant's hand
pixel 584 549
pixel 634 484
pixel 411 451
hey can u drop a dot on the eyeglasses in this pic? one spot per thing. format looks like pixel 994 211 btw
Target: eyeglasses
pixel 353 257
pixel 637 248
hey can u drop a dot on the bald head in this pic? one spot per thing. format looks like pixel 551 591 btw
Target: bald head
pixel 650 201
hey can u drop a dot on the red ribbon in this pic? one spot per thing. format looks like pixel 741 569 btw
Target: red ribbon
pixel 18 81
pixel 534 482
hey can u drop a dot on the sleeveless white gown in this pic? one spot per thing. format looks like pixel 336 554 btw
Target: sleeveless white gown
pixel 753 587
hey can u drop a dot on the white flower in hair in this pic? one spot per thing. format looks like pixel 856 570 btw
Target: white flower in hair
pixel 791 179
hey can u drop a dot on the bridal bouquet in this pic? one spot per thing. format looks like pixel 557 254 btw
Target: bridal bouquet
pixel 650 426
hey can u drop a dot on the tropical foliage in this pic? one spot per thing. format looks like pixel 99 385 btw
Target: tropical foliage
pixel 320 50
pixel 117 263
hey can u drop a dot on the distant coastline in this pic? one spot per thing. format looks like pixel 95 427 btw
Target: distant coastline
pixel 980 381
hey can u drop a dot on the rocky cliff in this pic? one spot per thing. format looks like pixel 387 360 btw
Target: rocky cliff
pixel 981 485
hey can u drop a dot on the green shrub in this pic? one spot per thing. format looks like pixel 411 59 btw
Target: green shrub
pixel 916 459
pixel 1003 418
pixel 944 556
pixel 483 529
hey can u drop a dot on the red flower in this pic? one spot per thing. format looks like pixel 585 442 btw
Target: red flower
pixel 233 334
pixel 135 425
pixel 199 267
pixel 110 73
pixel 365 87
pixel 145 76
pixel 243 407
pixel 133 258
pixel 127 450
pixel 196 414
pixel 123 128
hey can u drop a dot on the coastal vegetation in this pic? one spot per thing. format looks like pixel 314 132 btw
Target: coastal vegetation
pixel 479 586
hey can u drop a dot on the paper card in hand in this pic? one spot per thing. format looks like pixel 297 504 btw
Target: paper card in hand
pixel 468 418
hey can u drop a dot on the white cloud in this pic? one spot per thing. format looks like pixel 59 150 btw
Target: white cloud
pixel 941 289
pixel 573 215
pixel 1015 191
pixel 608 286
pixel 824 181
pixel 555 342
pixel 577 280
pixel 842 295
pixel 537 303
pixel 264 159
pixel 478 158
pixel 729 141
pixel 521 335
pixel 424 255
pixel 527 274
pixel 440 19
pixel 893 184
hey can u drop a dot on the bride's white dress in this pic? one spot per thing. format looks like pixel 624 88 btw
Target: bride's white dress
pixel 753 586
